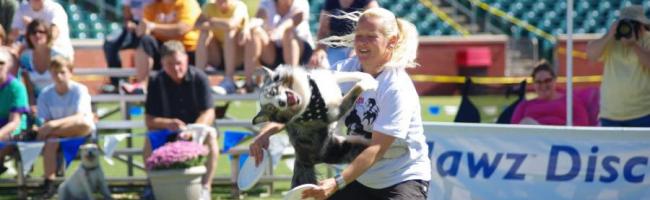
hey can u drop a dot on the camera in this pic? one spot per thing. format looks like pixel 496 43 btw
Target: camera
pixel 627 28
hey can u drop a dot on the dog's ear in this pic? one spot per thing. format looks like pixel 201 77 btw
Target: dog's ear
pixel 266 74
pixel 261 117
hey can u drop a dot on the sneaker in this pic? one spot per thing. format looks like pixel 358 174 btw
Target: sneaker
pixel 147 194
pixel 227 86
pixel 205 194
pixel 249 87
pixel 133 88
pixel 108 89
pixel 49 189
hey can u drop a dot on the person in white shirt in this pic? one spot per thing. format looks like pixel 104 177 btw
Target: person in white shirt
pixel 396 163
pixel 50 12
pixel 283 36
pixel 65 108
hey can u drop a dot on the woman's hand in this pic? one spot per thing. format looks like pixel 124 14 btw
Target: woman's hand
pixel 325 189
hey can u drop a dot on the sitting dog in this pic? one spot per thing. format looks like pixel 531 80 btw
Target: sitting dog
pixel 310 104
pixel 87 179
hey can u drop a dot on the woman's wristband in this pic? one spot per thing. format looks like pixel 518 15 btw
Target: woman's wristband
pixel 340 182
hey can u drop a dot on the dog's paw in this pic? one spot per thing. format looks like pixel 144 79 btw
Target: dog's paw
pixel 368 84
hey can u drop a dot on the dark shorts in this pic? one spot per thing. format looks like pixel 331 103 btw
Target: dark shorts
pixel 407 190
pixel 638 122
pixel 151 46
pixel 279 59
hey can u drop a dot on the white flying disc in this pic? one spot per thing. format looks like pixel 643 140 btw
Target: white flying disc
pixel 249 174
pixel 296 193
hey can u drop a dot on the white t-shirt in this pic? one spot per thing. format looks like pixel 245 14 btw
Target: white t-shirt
pixel 393 109
pixel 53 13
pixel 274 19
pixel 136 7
pixel 52 106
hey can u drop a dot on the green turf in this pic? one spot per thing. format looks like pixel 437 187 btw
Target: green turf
pixel 246 110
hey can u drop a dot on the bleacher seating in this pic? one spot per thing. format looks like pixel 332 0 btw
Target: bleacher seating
pixel 426 21
pixel 85 24
pixel 590 16
pixel 548 15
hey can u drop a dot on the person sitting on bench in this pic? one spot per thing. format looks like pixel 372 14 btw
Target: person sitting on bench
pixel 65 108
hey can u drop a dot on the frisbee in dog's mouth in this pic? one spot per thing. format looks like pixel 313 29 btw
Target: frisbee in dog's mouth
pixel 292 99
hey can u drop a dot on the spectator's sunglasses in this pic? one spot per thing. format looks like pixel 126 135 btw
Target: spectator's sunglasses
pixel 39 31
pixel 544 81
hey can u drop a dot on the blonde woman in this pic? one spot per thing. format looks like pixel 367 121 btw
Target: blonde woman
pixel 396 163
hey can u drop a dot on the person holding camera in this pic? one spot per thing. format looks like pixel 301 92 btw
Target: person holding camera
pixel 625 51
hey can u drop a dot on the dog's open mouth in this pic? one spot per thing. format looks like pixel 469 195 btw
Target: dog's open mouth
pixel 291 99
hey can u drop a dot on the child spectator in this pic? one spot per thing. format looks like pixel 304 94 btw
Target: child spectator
pixel 65 108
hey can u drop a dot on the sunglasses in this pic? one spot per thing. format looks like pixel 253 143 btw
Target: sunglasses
pixel 544 81
pixel 39 32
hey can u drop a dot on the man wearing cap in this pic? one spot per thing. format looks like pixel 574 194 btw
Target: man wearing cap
pixel 625 87
pixel 180 96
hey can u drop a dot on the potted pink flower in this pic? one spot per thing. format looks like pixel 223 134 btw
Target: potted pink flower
pixel 177 165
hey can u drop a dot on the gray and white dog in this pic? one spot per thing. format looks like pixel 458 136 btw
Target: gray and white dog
pixel 87 179
pixel 310 103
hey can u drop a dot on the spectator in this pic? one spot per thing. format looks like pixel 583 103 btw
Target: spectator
pixel 127 39
pixel 284 36
pixel 13 104
pixel 35 60
pixel 178 97
pixel 54 17
pixel 332 15
pixel 163 20
pixel 549 107
pixel 65 108
pixel 221 38
pixel 625 88
pixel 7 11
pixel 3 37
pixel 4 42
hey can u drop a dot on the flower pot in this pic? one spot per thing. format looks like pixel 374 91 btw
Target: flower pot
pixel 177 184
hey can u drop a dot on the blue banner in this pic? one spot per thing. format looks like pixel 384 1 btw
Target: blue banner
pixel 232 138
pixel 70 146
pixel 158 138
pixel 474 161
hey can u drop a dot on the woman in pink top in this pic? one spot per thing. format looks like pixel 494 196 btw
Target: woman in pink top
pixel 549 108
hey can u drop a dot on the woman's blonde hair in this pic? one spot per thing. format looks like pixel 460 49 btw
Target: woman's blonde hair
pixel 405 50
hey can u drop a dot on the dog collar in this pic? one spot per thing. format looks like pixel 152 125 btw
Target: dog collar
pixel 316 109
